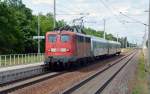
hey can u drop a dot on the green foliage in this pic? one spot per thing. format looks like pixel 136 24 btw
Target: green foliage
pixel 18 25
pixel 46 23
pixel 141 82
pixel 137 90
pixel 9 31
pixel 111 37
pixel 90 31
pixel 61 23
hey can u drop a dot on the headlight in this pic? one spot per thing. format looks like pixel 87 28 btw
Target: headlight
pixel 64 50
pixel 53 50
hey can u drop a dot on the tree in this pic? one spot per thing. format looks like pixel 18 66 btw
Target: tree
pixel 60 23
pixel 90 31
pixel 111 37
pixel 46 23
pixel 9 30
pixel 16 28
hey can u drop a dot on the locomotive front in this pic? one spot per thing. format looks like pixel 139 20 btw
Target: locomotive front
pixel 59 47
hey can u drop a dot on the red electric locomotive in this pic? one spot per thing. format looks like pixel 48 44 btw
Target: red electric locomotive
pixel 64 47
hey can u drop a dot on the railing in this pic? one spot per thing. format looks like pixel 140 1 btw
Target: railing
pixel 20 59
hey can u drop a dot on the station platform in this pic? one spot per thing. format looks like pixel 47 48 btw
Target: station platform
pixel 13 73
pixel 3 69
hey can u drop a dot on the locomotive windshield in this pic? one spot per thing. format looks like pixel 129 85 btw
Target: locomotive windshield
pixel 65 38
pixel 52 38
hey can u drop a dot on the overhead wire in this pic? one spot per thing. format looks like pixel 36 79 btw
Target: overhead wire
pixel 69 8
pixel 131 18
pixel 137 21
pixel 128 16
pixel 73 10
pixel 110 10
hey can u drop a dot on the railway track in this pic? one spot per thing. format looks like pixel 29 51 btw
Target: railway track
pixel 22 83
pixel 83 87
pixel 27 82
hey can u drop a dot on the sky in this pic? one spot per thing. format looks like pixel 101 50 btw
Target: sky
pixel 96 10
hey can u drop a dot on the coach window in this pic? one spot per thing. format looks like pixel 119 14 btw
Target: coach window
pixel 65 38
pixel 87 40
pixel 81 39
pixel 52 38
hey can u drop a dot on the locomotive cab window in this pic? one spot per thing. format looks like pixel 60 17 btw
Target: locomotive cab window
pixel 65 38
pixel 52 38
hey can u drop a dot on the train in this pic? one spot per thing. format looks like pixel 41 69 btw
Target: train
pixel 66 47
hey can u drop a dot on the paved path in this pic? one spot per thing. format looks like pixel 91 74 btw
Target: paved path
pixel 20 67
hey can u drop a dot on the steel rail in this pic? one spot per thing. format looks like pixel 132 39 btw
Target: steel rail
pixel 83 82
pixel 20 84
pixel 99 91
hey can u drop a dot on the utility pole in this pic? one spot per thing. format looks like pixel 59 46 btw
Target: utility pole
pixel 149 37
pixel 39 33
pixel 54 14
pixel 126 43
pixel 117 37
pixel 145 38
pixel 104 35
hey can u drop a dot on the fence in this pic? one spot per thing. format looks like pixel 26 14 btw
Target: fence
pixel 20 59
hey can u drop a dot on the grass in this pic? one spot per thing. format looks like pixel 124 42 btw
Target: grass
pixel 126 49
pixel 141 81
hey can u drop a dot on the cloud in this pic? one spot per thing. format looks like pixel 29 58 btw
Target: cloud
pixel 80 1
pixel 121 7
pixel 132 8
pixel 42 2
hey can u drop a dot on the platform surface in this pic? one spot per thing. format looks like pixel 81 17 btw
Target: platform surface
pixel 2 69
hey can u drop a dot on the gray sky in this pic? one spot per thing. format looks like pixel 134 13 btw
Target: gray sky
pixel 99 10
